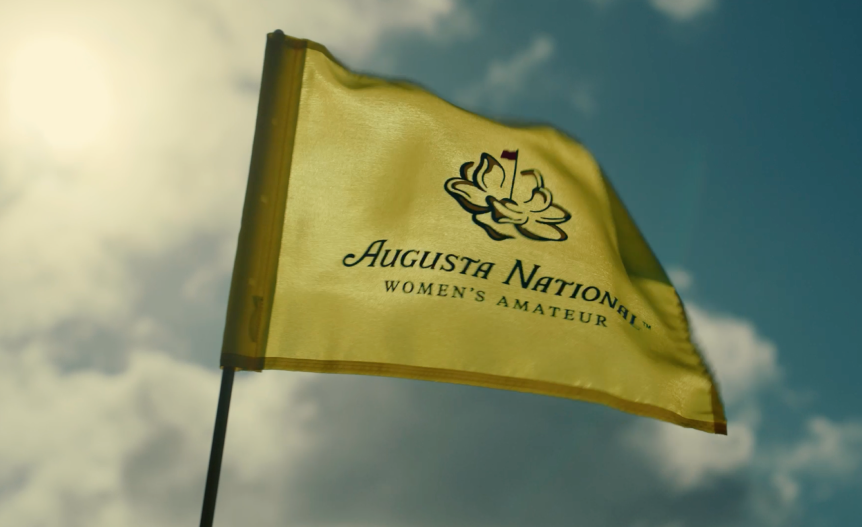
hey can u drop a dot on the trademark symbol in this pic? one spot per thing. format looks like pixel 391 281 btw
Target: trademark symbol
pixel 647 325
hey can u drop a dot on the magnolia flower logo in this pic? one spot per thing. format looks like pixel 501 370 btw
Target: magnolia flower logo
pixel 507 206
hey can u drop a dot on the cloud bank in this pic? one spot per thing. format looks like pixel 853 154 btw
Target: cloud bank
pixel 88 447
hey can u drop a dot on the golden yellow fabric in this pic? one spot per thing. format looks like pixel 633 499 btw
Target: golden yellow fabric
pixel 387 232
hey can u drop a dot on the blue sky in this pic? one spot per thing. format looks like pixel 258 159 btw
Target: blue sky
pixel 730 129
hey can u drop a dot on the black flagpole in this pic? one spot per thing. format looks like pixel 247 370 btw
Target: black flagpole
pixel 211 490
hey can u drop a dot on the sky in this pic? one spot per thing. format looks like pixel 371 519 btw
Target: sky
pixel 730 130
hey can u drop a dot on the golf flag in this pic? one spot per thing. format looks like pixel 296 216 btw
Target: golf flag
pixel 388 232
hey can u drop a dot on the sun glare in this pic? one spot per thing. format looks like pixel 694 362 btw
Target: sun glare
pixel 58 89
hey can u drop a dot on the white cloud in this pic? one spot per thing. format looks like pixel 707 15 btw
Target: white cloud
pixel 173 161
pixel 130 449
pixel 680 278
pixel 200 284
pixel 508 78
pixel 828 453
pixel 676 10
pixel 583 98
pixel 523 75
pixel 85 447
pixel 683 10
pixel 743 362
pixel 688 458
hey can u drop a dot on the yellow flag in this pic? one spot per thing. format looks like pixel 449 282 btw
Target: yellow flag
pixel 388 232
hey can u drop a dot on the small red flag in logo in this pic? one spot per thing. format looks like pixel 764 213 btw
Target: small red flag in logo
pixel 508 154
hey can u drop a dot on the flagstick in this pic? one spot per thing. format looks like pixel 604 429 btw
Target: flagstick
pixel 214 470
pixel 514 175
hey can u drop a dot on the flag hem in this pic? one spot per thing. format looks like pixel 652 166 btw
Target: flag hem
pixel 259 242
pixel 475 379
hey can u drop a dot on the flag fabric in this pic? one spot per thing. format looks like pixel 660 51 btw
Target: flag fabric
pixel 388 232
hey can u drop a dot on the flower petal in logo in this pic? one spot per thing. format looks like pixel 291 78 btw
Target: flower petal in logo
pixel 507 206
